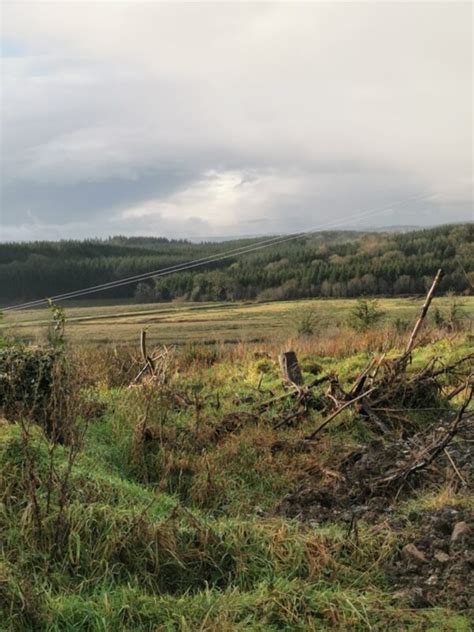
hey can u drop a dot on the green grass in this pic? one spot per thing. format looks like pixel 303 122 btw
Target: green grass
pixel 178 531
pixel 117 566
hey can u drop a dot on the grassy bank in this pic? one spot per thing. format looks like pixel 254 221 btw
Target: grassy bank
pixel 185 504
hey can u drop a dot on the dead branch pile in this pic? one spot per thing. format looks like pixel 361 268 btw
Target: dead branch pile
pixel 422 454
pixel 385 392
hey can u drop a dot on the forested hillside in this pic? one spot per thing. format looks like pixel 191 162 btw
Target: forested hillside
pixel 332 264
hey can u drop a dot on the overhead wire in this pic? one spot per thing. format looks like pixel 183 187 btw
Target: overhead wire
pixel 253 247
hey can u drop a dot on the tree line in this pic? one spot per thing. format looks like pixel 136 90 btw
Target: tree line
pixel 327 264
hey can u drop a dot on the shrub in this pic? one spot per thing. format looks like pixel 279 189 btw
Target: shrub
pixel 3 342
pixel 26 378
pixel 42 386
pixel 452 319
pixel 365 314
pixel 56 329
pixel 307 323
pixel 401 325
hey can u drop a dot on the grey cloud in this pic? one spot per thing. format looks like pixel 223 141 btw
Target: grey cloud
pixel 56 203
pixel 205 118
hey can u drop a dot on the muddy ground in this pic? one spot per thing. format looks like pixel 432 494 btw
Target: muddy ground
pixel 436 565
pixel 434 561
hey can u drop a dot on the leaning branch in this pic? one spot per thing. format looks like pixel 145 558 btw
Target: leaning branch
pixel 424 311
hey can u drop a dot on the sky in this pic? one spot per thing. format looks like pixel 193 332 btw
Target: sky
pixel 223 119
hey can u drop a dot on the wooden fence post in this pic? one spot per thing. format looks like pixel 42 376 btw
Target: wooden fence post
pixel 290 368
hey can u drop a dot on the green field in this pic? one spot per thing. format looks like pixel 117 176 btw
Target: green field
pixel 177 323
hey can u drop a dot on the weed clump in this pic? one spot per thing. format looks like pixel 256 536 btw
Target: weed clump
pixel 307 323
pixel 26 381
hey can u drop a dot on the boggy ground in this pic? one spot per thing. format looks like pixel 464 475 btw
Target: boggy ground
pixel 185 504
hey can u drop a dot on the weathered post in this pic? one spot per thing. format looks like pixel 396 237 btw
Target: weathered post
pixel 290 368
pixel 146 358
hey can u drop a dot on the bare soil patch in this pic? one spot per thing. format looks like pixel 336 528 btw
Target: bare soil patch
pixel 436 565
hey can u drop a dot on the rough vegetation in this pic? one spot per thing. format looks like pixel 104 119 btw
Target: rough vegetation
pixel 327 323
pixel 192 488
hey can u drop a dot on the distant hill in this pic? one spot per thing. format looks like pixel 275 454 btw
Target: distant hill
pixel 369 229
pixel 395 229
pixel 330 263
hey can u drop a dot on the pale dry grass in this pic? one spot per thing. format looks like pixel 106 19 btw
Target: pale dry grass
pixel 174 323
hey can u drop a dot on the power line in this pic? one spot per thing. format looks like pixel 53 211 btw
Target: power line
pixel 143 276
pixel 163 271
pixel 272 241
pixel 209 259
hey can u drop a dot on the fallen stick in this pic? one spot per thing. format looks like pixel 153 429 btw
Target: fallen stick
pixel 361 378
pixel 339 410
pixel 379 364
pixel 369 412
pixel 287 419
pixel 146 367
pixel 455 467
pixel 450 367
pixel 427 371
pixel 295 391
pixel 459 389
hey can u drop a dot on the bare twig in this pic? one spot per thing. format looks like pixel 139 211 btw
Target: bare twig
pixel 361 378
pixel 455 468
pixel 338 411
pixel 449 367
pixel 431 452
pixel 143 370
pixel 460 389
pixel 294 391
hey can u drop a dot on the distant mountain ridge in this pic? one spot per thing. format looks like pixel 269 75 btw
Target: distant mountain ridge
pixel 369 229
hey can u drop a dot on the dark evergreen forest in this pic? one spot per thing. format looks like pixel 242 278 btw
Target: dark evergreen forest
pixel 328 264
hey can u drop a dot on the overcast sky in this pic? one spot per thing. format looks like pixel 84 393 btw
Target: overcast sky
pixel 233 119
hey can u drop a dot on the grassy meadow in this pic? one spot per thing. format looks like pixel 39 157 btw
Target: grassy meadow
pixel 178 323
pixel 193 501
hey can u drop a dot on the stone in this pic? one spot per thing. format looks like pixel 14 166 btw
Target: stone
pixel 460 529
pixel 411 551
pixel 442 557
